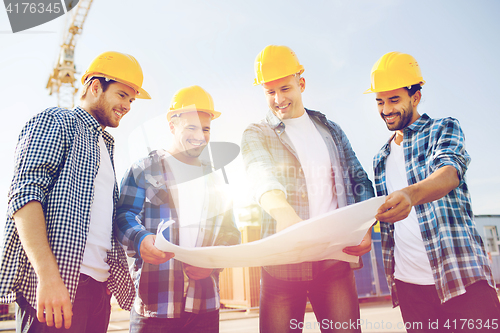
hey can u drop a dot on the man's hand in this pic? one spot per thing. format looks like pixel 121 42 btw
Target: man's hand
pixel 397 206
pixel 150 254
pixel 53 297
pixel 196 273
pixel 51 293
pixel 364 247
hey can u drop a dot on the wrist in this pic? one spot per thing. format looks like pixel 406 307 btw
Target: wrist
pixel 410 194
pixel 49 275
pixel 140 238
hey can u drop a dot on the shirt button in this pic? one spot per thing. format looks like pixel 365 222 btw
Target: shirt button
pixel 279 131
pixel 303 195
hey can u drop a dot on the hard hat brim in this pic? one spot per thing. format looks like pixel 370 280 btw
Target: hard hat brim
pixel 143 94
pixel 139 92
pixel 256 82
pixel 371 90
pixel 213 113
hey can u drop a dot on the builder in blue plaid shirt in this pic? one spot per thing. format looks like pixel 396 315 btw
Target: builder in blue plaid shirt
pixel 60 261
pixel 434 258
pixel 301 165
pixel 176 185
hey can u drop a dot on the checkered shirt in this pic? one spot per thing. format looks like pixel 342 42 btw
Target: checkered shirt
pixel 454 247
pixel 144 203
pixel 272 164
pixel 56 162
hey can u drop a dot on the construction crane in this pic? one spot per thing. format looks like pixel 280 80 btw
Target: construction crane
pixel 62 80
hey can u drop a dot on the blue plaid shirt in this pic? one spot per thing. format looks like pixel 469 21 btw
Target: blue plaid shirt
pixel 454 247
pixel 56 162
pixel 144 203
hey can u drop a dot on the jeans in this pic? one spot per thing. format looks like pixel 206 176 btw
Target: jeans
pixel 423 312
pixel 188 323
pixel 332 294
pixel 91 311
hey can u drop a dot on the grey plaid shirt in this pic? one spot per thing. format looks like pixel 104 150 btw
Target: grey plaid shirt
pixel 272 163
pixel 56 162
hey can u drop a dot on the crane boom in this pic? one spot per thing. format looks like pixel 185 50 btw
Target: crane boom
pixel 62 80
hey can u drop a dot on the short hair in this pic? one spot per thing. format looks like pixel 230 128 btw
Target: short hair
pixel 413 89
pixel 105 83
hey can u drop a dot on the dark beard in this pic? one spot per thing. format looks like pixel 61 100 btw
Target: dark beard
pixel 406 117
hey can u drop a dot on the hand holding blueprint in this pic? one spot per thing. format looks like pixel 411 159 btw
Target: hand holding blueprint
pixel 319 238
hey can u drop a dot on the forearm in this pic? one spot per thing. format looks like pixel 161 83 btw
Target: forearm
pixel 434 187
pixel 32 230
pixel 130 229
pixel 261 169
pixel 275 204
pixel 129 232
pixel 398 204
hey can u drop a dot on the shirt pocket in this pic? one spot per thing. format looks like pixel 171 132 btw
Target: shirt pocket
pixel 421 163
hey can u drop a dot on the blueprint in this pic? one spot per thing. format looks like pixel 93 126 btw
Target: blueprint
pixel 319 238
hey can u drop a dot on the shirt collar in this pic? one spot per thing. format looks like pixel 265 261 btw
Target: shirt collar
pixel 275 122
pixel 272 120
pixel 158 155
pixel 87 119
pixel 92 124
pixel 419 123
pixel 416 126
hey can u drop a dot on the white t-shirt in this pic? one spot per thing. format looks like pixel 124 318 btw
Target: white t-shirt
pixel 411 262
pixel 315 161
pixel 191 196
pixel 101 220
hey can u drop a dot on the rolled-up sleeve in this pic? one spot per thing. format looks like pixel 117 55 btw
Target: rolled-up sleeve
pixel 130 230
pixel 259 163
pixel 38 156
pixel 450 148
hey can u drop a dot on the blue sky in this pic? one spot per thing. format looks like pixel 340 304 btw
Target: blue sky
pixel 214 43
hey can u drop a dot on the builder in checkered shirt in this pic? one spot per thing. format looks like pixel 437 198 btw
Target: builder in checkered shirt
pixel 301 165
pixel 60 261
pixel 434 258
pixel 176 186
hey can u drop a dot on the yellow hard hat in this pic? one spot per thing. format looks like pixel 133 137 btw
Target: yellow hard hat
pixel 190 99
pixel 393 71
pixel 118 67
pixel 275 62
